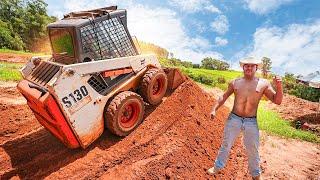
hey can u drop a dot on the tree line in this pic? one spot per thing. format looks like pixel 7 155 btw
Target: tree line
pixel 23 23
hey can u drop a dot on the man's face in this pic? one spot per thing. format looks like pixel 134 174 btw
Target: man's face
pixel 249 69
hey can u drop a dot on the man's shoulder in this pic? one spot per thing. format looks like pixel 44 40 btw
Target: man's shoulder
pixel 236 79
pixel 235 82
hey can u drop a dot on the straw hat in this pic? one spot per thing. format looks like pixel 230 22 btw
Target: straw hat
pixel 250 60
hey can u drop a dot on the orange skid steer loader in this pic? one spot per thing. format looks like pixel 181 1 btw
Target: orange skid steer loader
pixel 94 79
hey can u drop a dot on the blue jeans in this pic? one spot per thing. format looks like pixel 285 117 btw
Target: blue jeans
pixel 233 127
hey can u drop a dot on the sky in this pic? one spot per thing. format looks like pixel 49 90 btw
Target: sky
pixel 286 31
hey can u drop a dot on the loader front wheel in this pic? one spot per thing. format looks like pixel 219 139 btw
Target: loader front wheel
pixel 124 113
pixel 153 86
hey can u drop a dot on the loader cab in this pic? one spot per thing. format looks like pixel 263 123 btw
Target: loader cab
pixel 92 35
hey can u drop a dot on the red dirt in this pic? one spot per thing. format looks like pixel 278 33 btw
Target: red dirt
pixel 16 117
pixel 15 58
pixel 177 140
pixel 294 109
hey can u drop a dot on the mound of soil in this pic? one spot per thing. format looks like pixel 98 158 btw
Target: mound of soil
pixel 296 109
pixel 177 140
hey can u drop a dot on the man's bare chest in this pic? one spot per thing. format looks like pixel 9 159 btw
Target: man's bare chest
pixel 250 90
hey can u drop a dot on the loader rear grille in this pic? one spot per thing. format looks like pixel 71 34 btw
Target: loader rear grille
pixel 97 83
pixel 44 73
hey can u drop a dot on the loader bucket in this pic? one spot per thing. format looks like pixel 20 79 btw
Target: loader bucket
pixel 48 113
pixel 175 78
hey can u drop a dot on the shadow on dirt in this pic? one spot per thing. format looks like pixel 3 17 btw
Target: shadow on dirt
pixel 309 122
pixel 39 154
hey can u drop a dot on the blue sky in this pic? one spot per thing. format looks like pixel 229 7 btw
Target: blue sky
pixel 287 31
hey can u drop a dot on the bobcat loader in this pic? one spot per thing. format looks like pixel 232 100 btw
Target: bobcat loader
pixel 95 78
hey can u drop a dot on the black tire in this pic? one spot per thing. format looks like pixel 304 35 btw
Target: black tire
pixel 153 86
pixel 118 117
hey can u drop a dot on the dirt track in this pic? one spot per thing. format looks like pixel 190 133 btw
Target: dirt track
pixel 176 140
pixel 15 58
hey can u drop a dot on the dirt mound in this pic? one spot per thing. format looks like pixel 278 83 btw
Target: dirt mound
pixel 293 107
pixel 177 140
pixel 296 109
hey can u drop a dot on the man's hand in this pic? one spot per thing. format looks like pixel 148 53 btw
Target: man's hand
pixel 277 81
pixel 213 114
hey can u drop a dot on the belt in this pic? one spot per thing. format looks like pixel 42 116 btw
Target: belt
pixel 242 116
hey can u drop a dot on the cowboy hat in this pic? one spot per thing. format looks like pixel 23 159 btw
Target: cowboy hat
pixel 250 60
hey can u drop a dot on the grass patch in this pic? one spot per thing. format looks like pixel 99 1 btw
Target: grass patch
pixel 228 75
pixel 20 52
pixel 10 71
pixel 212 78
pixel 272 123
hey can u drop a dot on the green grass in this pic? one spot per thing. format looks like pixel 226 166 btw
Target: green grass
pixel 10 71
pixel 20 52
pixel 228 75
pixel 272 123
pixel 211 77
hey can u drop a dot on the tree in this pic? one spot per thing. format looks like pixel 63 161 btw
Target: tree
pixel 289 76
pixel 187 64
pixel 26 20
pixel 266 66
pixel 196 66
pixel 207 63
pixel 8 39
pixel 170 55
pixel 210 63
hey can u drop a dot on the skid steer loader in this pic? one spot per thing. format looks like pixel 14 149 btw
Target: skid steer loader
pixel 94 79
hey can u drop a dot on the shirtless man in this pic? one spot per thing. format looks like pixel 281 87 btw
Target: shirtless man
pixel 248 91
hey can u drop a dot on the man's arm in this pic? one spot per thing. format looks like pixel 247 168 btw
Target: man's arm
pixel 222 99
pixel 272 95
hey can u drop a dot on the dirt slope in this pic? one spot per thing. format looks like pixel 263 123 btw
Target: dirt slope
pixel 176 140
pixel 297 109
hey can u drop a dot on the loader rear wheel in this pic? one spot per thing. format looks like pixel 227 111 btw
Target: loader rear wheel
pixel 124 113
pixel 153 86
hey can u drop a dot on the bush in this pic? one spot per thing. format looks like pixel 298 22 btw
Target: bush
pixel 8 39
pixel 301 90
pixel 206 80
pixel 197 66
pixel 221 80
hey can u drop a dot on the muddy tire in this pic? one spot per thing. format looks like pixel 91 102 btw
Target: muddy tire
pixel 153 86
pixel 124 113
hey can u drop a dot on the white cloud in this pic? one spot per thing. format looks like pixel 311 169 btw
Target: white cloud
pixel 192 6
pixel 199 26
pixel 160 26
pixel 220 41
pixel 264 6
pixel 220 24
pixel 212 8
pixel 294 49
